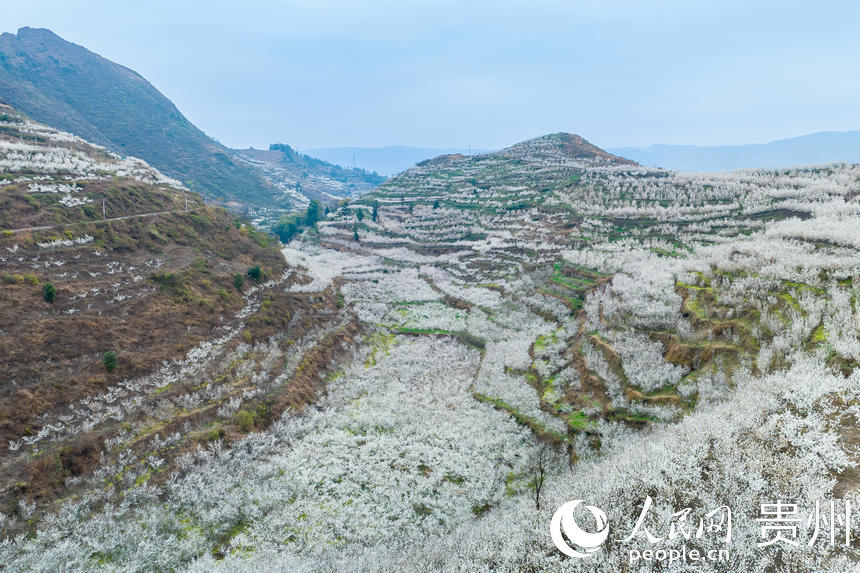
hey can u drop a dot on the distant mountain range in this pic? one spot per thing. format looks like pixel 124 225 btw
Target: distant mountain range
pixel 66 86
pixel 815 148
pixel 385 160
pixel 822 147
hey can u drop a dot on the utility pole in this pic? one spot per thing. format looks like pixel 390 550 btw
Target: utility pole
pixel 186 204
pixel 353 160
pixel 104 211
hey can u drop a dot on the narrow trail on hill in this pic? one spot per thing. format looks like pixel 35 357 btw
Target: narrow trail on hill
pixel 137 215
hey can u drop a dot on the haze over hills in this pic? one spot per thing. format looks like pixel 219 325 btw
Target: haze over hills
pixel 812 149
pixel 68 87
pixel 386 160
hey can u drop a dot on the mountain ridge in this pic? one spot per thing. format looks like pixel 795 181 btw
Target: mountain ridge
pixel 67 86
pixel 64 85
pixel 810 149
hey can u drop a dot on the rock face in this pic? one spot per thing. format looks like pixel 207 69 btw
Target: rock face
pixel 68 87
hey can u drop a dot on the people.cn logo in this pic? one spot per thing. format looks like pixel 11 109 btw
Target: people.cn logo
pixel 564 525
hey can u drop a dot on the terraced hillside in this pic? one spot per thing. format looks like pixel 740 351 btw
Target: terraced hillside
pixel 532 326
pixel 134 331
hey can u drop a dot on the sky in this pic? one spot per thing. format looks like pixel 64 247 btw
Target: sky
pixel 326 73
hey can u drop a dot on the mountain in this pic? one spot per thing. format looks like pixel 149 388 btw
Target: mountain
pixel 816 148
pixel 386 160
pixel 125 305
pixel 302 178
pixel 68 87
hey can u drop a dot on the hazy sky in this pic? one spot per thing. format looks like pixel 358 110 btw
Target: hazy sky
pixel 435 73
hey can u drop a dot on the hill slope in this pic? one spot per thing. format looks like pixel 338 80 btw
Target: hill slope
pixel 812 149
pixel 103 254
pixel 68 87
pixel 301 178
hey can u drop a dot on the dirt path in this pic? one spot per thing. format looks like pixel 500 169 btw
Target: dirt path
pixel 138 215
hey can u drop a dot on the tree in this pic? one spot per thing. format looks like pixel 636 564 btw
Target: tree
pixel 355 232
pixel 256 273
pixel 539 472
pixel 245 420
pixel 436 204
pixel 313 213
pixel 360 214
pixel 375 213
pixel 48 292
pixel 238 281
pixel 288 227
pixel 291 225
pixel 109 360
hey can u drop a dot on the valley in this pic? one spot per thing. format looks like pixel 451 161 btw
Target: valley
pixel 425 375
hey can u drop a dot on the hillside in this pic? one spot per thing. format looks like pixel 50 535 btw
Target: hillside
pixel 138 331
pixel 518 329
pixel 812 149
pixel 68 87
pixel 301 178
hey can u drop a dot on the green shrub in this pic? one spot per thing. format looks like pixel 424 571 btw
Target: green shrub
pixel 48 292
pixel 245 420
pixel 169 281
pixel 238 281
pixel 256 273
pixel 110 360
